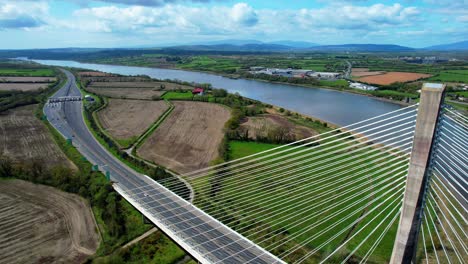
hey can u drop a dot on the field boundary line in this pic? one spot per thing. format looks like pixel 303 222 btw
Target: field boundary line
pixel 153 127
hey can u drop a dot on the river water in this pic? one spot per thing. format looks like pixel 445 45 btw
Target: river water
pixel 331 106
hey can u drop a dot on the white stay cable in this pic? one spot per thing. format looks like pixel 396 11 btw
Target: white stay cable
pixel 456 198
pixel 462 229
pixel 237 183
pixel 276 245
pixel 299 205
pixel 302 140
pixel 320 148
pixel 424 243
pixel 457 114
pixel 438 236
pixel 306 256
pixel 431 237
pixel 378 241
pixel 457 253
pixel 398 211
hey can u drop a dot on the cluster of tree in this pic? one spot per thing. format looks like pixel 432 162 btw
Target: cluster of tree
pixel 98 193
pixel 277 78
pixel 401 87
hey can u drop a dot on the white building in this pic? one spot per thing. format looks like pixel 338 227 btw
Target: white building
pixel 361 86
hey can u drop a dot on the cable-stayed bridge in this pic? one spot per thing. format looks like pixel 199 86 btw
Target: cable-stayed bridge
pixel 336 197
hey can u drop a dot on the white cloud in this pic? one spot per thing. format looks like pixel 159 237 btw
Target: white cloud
pixel 244 14
pixel 241 19
pixel 357 17
pixel 22 14
pixel 178 18
pixel 463 18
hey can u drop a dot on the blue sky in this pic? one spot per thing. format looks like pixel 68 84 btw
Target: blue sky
pixel 127 23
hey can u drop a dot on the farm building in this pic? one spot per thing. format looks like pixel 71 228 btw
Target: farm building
pixel 198 91
pixel 361 86
pixel 325 75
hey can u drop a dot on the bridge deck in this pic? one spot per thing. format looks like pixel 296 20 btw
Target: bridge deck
pixel 218 242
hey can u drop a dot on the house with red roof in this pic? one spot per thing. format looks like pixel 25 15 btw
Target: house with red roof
pixel 198 91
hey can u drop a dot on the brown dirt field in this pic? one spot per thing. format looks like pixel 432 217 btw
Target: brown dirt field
pixel 27 79
pixel 392 77
pixel 124 119
pixel 24 138
pixel 154 85
pixel 116 79
pixel 189 138
pixel 93 73
pixel 362 72
pixel 261 124
pixel 41 224
pixel 128 93
pixel 21 86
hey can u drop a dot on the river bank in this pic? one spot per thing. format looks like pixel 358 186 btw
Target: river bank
pixel 238 76
pixel 332 106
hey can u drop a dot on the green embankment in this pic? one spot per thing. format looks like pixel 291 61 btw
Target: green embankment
pixel 39 72
pixel 185 95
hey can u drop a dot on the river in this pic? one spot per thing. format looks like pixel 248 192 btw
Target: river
pixel 335 107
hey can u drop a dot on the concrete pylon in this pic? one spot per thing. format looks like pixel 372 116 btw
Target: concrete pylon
pixel 404 249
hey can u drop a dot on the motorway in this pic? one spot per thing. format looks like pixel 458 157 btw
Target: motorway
pixel 201 236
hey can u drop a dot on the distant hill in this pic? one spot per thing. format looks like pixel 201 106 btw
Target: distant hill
pixel 261 47
pixel 283 46
pixel 462 45
pixel 361 48
pixel 294 44
pixel 237 42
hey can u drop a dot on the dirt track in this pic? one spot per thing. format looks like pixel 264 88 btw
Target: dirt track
pixel 125 119
pixel 41 224
pixel 24 138
pixel 189 138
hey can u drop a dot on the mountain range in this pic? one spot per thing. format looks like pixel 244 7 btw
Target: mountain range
pixel 285 45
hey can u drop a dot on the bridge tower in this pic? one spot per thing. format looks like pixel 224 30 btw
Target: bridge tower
pixel 404 249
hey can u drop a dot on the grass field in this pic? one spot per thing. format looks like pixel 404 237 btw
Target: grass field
pixel 294 198
pixel 178 95
pixel 26 72
pixel 451 76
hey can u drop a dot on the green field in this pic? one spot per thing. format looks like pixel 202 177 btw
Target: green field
pixel 335 84
pixel 178 95
pixel 26 72
pixel 451 76
pixel 296 195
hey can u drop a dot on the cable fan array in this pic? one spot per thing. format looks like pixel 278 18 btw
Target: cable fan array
pixel 333 197
pixel 443 236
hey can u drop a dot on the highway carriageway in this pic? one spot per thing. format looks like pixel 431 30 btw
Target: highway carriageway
pixel 204 238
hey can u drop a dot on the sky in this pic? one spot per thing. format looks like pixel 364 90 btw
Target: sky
pixel 26 24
